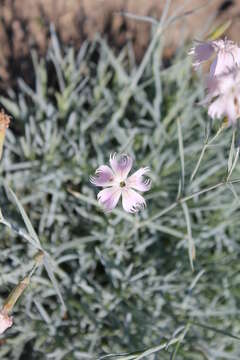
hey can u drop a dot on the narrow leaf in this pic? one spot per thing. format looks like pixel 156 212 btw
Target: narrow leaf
pixel 51 275
pixel 218 31
pixel 191 246
pixel 25 217
pixel 181 150
pixel 223 332
pixel 231 152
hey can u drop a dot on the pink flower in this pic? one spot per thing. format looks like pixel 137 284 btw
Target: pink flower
pixel 224 95
pixel 5 321
pixel 227 55
pixel 116 182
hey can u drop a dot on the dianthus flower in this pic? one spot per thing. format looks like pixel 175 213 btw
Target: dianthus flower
pixel 5 321
pixel 227 55
pixel 224 95
pixel 116 182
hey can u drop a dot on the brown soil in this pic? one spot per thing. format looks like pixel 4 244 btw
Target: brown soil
pixel 24 24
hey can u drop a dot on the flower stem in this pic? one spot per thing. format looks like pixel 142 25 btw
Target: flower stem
pixel 183 200
pixel 206 145
pixel 15 295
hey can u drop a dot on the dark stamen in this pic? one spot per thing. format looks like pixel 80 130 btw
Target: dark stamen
pixel 122 184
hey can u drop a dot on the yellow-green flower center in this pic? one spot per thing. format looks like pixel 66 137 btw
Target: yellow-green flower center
pixel 122 184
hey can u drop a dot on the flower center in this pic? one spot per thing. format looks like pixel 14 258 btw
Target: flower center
pixel 122 184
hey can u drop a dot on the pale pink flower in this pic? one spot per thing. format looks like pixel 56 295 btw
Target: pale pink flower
pixel 116 182
pixel 5 321
pixel 224 95
pixel 226 55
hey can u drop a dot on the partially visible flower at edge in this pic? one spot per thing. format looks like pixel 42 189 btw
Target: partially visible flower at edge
pixel 227 55
pixel 4 124
pixel 5 321
pixel 116 182
pixel 223 96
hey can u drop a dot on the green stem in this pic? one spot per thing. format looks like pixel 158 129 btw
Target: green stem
pixel 20 232
pixel 184 199
pixel 15 295
pixel 206 145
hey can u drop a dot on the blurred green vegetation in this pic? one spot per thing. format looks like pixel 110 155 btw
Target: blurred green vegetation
pixel 126 279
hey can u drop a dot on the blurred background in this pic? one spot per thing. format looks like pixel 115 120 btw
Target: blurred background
pixel 24 25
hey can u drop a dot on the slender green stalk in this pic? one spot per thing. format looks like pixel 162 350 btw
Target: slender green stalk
pixel 206 145
pixel 183 200
pixel 232 161
pixel 21 233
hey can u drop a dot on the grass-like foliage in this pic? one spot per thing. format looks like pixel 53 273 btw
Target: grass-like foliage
pixel 132 284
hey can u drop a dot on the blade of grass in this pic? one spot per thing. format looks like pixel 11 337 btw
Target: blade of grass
pixel 34 236
pixel 25 217
pixel 181 151
pixel 174 354
pixel 223 332
pixel 231 152
pixel 191 246
pixel 51 275
pixel 205 146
